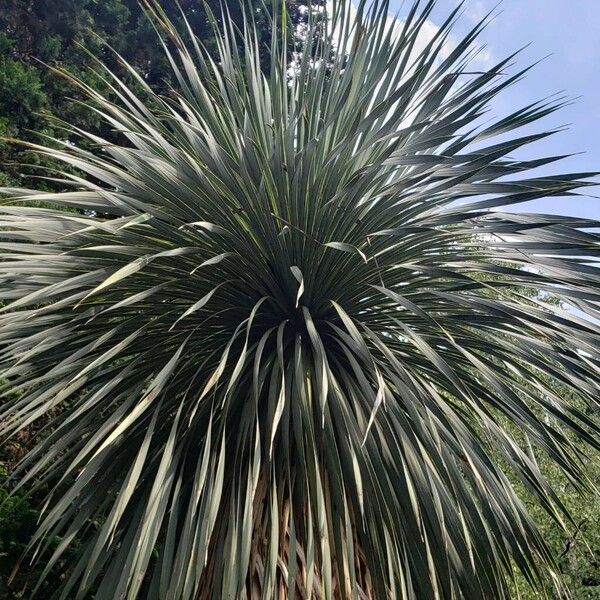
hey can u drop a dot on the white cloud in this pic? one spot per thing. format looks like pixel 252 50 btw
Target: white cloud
pixel 428 30
pixel 484 59
pixel 475 11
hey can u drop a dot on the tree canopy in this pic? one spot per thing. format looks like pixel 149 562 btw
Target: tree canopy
pixel 74 35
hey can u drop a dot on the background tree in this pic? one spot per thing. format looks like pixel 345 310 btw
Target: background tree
pixel 38 34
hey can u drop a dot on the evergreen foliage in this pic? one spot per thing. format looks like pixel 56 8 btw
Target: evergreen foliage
pixel 314 351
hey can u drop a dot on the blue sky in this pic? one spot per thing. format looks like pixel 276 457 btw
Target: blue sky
pixel 568 31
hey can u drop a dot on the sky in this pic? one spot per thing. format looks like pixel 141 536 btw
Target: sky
pixel 567 33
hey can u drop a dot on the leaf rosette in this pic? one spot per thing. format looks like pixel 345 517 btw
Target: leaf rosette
pixel 304 354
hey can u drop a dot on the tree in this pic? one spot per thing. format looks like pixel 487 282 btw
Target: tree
pixel 287 367
pixel 37 35
pixel 576 548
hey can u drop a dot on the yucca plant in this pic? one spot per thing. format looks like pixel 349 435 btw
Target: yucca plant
pixel 299 361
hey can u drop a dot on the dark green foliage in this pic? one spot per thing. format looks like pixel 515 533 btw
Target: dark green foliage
pixel 38 34
pixel 577 550
pixel 18 522
pixel 22 98
pixel 577 547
